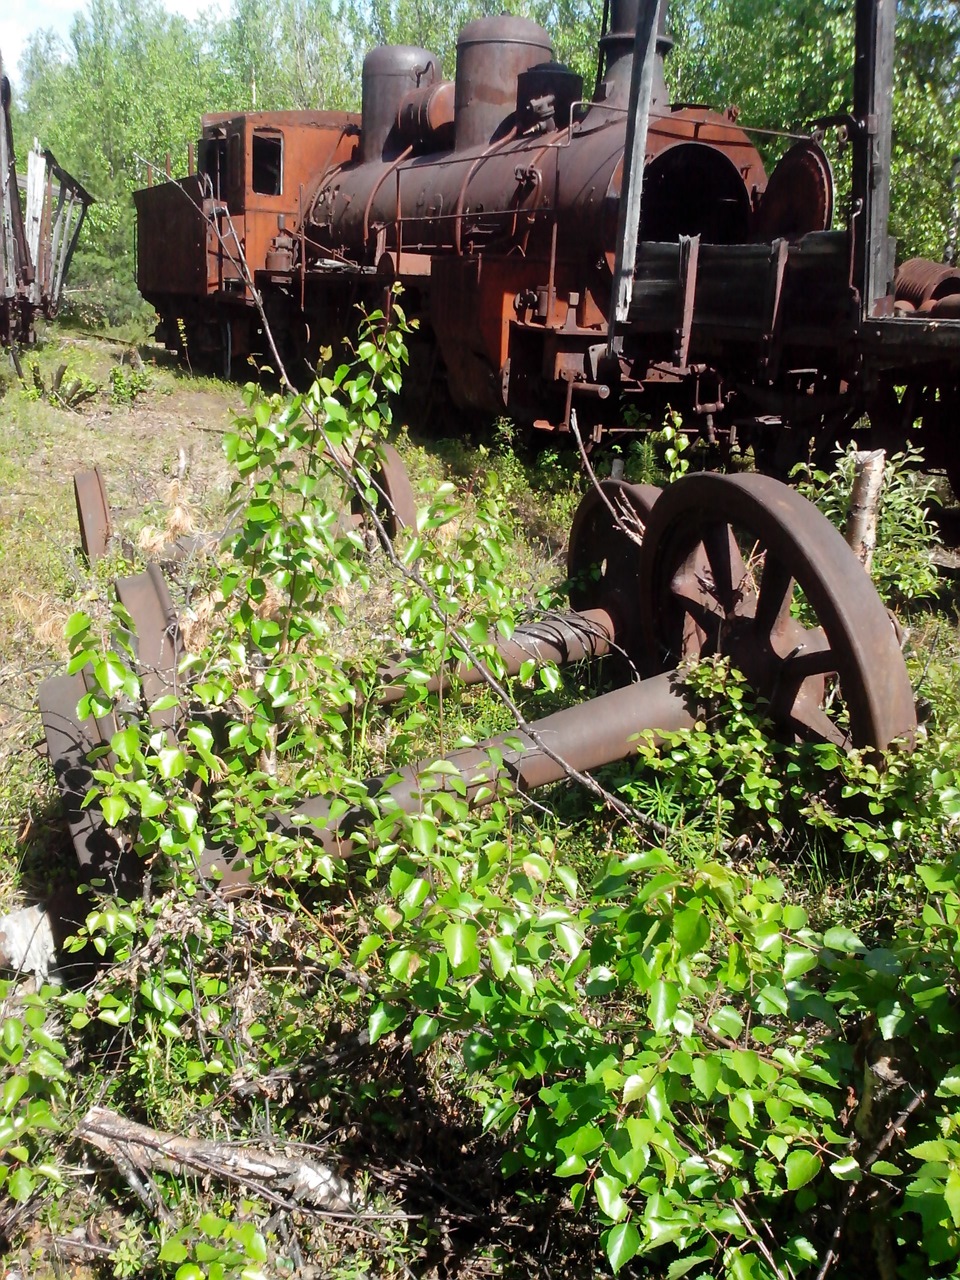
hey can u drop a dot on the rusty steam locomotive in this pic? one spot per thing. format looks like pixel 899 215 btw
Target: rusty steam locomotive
pixel 499 201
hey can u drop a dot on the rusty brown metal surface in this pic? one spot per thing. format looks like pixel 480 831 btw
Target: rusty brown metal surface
pixel 603 556
pixel 390 75
pixel 425 117
pixel 585 737
pixel 558 638
pixel 603 565
pixel 742 607
pixel 146 597
pixel 799 196
pixel 396 503
pixel 69 743
pixel 190 232
pixel 16 269
pixel 56 207
pixel 918 280
pixel 718 566
pixel 93 513
pixel 491 54
pixel 498 209
pixel 36 245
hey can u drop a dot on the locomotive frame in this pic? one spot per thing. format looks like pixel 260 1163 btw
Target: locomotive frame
pixel 501 201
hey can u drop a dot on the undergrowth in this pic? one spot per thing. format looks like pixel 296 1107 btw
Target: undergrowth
pixel 701 1022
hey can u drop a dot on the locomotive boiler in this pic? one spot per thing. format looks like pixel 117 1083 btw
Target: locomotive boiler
pixel 494 199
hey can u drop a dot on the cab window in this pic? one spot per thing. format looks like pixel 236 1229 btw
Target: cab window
pixel 267 163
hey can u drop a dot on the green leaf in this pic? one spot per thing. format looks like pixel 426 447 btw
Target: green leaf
pixel 801 1167
pixel 798 961
pixel 951 1194
pixel 111 675
pixel 746 1063
pixel 741 1110
pixel 935 1149
pixel 664 998
pixel 171 762
pixel 607 1190
pixel 501 955
pixel 114 809
pixel 621 1243
pixel 949 1086
pixel 726 1022
pixel 12 1034
pixel 706 1073
pixel 636 1087
pixel 460 943
pixel 840 939
pixel 423 833
pixel 571 938
pixel 21 1184
pixel 384 1019
pixel 173 1250
pixel 846 1170
pixel 13 1091
pixel 425 1031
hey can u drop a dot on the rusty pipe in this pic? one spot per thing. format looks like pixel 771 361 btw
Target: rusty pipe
pixel 458 213
pixel 391 168
pixel 560 638
pixel 585 737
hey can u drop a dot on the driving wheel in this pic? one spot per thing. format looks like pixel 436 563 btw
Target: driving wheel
pixel 603 556
pixel 744 567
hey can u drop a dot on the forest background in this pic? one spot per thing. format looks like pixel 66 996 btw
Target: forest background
pixel 132 82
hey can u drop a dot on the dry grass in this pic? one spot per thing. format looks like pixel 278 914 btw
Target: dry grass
pixel 162 464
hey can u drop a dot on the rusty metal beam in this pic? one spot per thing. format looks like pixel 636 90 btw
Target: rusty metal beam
pixel 584 737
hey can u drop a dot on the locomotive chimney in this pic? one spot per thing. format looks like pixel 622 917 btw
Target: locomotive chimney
pixel 617 52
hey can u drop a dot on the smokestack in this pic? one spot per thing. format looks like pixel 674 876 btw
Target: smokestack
pixel 617 51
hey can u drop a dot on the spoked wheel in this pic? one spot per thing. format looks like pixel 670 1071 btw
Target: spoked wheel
pixel 603 558
pixel 744 567
pixel 396 505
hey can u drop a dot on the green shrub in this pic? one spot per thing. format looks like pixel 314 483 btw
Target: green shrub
pixel 714 1060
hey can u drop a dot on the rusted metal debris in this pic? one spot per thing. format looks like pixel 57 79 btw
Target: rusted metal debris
pixel 93 513
pixel 36 245
pixel 396 504
pixel 714 572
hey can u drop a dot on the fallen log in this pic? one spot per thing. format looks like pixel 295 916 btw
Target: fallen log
pixel 288 1180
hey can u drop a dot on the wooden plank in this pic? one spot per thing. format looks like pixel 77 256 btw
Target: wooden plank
pixel 634 156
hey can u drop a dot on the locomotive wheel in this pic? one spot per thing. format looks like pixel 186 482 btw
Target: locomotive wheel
pixel 841 680
pixel 603 557
pixel 396 504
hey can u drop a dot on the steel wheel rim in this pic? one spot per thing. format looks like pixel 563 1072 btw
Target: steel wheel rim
pixel 396 504
pixel 603 559
pixel 852 644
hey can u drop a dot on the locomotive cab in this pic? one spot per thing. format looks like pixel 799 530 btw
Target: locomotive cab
pixel 202 238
